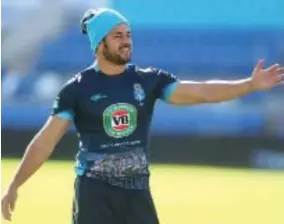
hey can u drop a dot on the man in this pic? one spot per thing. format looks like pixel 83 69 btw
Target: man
pixel 111 105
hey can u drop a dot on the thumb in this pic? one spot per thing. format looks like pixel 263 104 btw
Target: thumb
pixel 13 205
pixel 13 200
pixel 259 65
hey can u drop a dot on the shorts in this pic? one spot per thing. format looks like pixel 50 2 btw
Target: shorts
pixel 97 202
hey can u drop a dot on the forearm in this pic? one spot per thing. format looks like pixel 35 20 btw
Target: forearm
pixel 35 155
pixel 217 91
pixel 190 92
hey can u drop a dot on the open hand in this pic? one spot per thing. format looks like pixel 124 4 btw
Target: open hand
pixel 265 79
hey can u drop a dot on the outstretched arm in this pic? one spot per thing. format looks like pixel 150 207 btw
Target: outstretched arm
pixel 189 92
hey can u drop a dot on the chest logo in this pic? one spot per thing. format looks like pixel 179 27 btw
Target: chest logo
pixel 120 120
pixel 139 93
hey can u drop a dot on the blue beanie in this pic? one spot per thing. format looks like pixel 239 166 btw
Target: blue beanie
pixel 101 24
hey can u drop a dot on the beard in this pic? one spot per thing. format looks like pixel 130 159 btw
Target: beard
pixel 115 58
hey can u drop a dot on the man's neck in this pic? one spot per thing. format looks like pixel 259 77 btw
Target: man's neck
pixel 109 68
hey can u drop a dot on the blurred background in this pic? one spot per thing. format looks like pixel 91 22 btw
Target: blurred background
pixel 42 47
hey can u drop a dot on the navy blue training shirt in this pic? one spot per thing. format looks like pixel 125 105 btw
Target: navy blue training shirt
pixel 112 116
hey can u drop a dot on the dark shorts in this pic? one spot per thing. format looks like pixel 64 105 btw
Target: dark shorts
pixel 97 202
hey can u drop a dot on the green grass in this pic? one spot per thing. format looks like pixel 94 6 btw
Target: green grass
pixel 183 195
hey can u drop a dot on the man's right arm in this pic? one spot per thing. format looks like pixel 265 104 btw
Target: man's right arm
pixel 39 149
pixel 44 142
pixel 37 152
pixel 46 139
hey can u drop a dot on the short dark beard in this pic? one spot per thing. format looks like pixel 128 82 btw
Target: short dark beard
pixel 113 58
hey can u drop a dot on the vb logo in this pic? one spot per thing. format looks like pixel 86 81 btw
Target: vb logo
pixel 120 120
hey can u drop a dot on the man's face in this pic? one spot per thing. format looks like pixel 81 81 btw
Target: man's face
pixel 117 46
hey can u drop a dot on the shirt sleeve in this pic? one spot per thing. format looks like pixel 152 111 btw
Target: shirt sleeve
pixel 166 84
pixel 64 103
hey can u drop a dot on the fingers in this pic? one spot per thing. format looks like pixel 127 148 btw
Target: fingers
pixel 273 68
pixel 280 71
pixel 280 79
pixel 279 75
pixel 259 65
pixel 5 209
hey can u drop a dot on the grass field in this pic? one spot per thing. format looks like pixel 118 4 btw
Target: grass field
pixel 183 195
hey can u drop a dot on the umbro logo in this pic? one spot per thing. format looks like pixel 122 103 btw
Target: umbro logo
pixel 98 97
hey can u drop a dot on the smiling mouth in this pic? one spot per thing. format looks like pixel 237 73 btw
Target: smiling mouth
pixel 125 48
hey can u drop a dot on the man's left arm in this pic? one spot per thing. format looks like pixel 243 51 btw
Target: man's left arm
pixel 190 92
